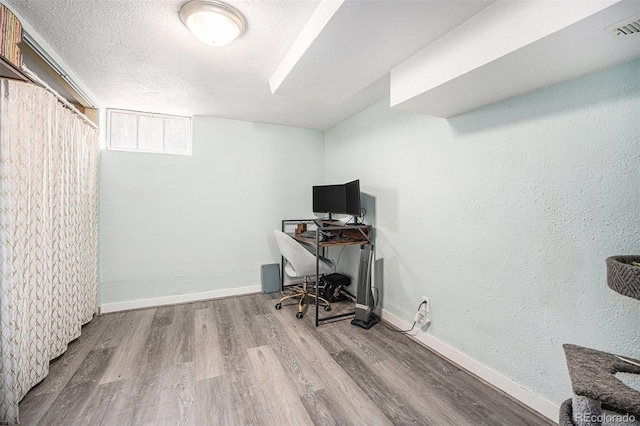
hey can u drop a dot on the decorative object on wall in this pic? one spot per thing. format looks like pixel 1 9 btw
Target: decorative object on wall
pixel 598 394
pixel 48 235
pixel 212 22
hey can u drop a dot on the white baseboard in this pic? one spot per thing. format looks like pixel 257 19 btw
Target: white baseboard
pixel 530 399
pixel 177 298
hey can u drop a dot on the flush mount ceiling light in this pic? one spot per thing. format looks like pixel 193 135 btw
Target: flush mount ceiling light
pixel 212 22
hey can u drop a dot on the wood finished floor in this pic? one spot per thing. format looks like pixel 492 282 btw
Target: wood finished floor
pixel 238 361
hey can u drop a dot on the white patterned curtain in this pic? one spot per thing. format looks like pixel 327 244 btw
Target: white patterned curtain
pixel 48 235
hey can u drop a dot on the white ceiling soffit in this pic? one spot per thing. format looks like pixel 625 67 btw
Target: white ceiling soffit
pixel 511 48
pixel 348 45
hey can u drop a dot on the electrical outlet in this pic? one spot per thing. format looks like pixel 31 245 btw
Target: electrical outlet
pixel 421 318
pixel 427 303
pixel 426 322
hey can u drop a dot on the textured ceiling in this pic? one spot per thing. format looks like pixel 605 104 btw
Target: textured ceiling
pixel 308 63
pixel 137 54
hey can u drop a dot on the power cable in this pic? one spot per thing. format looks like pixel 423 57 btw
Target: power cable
pixel 412 326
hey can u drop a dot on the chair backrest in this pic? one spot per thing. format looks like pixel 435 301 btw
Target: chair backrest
pixel 301 260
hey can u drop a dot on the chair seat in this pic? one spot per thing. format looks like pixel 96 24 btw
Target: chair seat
pixel 301 263
pixel 325 266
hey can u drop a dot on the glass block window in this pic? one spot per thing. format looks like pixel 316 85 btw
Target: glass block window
pixel 148 132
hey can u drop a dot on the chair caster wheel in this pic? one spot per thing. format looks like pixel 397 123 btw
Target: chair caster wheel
pixel 299 315
pixel 327 308
pixel 278 306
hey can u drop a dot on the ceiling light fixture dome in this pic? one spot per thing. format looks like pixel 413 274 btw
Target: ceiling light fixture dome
pixel 212 22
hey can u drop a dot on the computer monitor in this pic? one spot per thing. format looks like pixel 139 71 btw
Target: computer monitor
pixel 329 199
pixel 352 192
pixel 338 199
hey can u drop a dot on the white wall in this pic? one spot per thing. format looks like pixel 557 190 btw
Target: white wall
pixel 504 217
pixel 174 225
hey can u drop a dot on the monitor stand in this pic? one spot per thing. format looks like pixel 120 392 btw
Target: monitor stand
pixel 364 318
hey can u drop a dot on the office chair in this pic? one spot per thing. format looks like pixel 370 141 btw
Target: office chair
pixel 301 263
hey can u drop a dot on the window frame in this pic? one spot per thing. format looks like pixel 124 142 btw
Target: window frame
pixel 138 114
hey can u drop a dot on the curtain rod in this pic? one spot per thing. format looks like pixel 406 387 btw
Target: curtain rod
pixel 37 80
pixel 30 43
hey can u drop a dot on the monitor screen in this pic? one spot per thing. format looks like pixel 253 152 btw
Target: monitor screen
pixel 329 199
pixel 352 192
pixel 342 199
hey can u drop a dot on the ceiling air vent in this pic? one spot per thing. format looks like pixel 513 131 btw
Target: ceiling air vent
pixel 626 28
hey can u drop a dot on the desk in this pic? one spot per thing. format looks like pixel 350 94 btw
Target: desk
pixel 348 235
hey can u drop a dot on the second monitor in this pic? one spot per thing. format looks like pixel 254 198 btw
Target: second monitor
pixel 338 199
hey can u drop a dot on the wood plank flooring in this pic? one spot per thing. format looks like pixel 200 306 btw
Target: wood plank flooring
pixel 238 361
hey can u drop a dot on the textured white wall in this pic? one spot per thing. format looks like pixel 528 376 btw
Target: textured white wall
pixel 174 225
pixel 504 217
